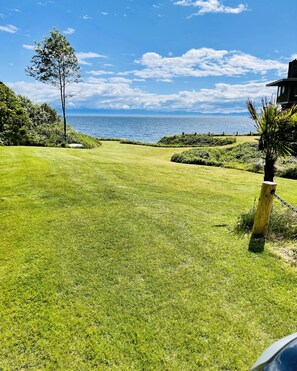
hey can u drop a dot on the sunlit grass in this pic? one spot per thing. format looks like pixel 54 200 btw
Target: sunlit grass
pixel 118 258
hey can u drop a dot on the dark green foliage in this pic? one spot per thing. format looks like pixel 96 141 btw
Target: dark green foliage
pixel 39 114
pixel 282 225
pixel 290 172
pixel 14 120
pixel 25 123
pixel 195 140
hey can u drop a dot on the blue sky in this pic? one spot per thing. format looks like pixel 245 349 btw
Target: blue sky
pixel 204 56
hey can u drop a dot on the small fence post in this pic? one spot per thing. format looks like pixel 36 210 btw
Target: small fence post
pixel 262 216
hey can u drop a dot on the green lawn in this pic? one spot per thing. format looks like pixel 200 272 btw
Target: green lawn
pixel 116 258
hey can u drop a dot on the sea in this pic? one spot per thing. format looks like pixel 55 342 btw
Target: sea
pixel 150 129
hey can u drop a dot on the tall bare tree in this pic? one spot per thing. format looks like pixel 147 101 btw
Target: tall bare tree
pixel 55 63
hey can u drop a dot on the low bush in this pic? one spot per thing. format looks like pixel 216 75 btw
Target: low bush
pixel 282 225
pixel 137 143
pixel 52 135
pixel 185 140
pixel 245 221
pixel 289 172
pixel 245 156
pixel 196 140
pixel 191 158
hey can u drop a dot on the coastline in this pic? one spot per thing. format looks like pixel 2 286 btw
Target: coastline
pixel 152 128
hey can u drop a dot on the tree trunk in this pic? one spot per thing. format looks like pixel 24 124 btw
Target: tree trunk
pixel 64 123
pixel 63 104
pixel 269 169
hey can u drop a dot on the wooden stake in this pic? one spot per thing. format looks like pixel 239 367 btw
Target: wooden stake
pixel 263 210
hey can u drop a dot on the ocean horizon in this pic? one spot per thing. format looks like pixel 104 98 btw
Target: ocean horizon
pixel 153 128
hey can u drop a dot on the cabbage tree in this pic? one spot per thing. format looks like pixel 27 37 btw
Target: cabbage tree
pixel 277 130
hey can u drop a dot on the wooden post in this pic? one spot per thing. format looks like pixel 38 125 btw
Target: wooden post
pixel 263 210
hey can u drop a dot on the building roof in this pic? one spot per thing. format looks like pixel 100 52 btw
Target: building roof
pixel 282 81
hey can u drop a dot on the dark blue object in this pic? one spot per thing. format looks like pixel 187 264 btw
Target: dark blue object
pixel 280 356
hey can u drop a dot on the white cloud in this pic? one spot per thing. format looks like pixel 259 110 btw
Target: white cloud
pixel 204 62
pixel 69 31
pixel 104 13
pixel 211 6
pixel 38 92
pixel 114 93
pixel 29 47
pixel 99 73
pixel 86 17
pixel 9 28
pixel 82 57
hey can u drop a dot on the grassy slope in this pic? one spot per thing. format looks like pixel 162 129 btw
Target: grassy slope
pixel 116 257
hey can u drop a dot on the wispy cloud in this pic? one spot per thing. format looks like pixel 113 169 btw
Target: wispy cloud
pixel 83 57
pixel 29 47
pixel 211 6
pixel 86 17
pixel 44 3
pixel 204 62
pixel 69 31
pixel 99 73
pixel 9 28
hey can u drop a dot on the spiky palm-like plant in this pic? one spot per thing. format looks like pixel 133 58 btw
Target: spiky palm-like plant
pixel 277 130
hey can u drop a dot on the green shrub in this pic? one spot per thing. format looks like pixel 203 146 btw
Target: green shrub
pixel 289 172
pixel 245 221
pixel 257 167
pixel 52 135
pixel 25 123
pixel 192 159
pixel 282 224
pixel 185 140
pixel 243 156
pixel 196 140
pixel 137 143
pixel 14 120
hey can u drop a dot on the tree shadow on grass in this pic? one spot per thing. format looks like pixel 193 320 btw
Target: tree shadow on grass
pixel 256 244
